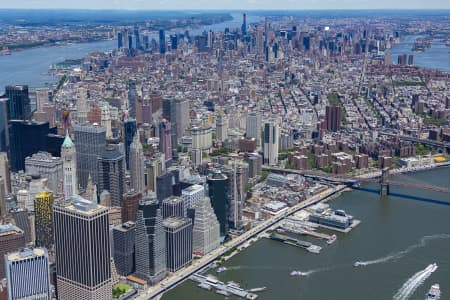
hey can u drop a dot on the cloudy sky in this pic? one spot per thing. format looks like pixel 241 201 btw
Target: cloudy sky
pixel 227 4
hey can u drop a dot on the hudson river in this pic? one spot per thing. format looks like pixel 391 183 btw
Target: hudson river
pixel 397 238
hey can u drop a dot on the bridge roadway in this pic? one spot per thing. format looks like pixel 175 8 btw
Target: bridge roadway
pixel 197 265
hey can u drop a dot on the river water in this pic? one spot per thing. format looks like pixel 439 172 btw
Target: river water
pixel 437 57
pixel 397 238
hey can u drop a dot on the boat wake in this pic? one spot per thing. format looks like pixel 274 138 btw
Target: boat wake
pixel 410 286
pixel 394 256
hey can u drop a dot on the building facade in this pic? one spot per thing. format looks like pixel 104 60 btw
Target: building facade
pixel 43 211
pixel 178 242
pixel 83 254
pixel 44 164
pixel 206 229
pixel 28 274
pixel 123 241
pixel 69 159
pixel 271 137
pixel 137 165
pixel 150 246
pixel 111 173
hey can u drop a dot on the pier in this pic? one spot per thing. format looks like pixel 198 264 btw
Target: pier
pixel 231 288
pixel 294 227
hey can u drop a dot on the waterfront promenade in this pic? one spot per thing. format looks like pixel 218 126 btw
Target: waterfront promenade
pixel 173 279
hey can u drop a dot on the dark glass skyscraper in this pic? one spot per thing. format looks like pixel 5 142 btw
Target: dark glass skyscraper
pixel 26 138
pixel 120 40
pixel 218 193
pixel 19 102
pixel 151 246
pixel 111 174
pixel 130 128
pixel 124 239
pixel 162 41
pixel 4 119
pixel 132 98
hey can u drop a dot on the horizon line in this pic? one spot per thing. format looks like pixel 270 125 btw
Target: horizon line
pixel 232 10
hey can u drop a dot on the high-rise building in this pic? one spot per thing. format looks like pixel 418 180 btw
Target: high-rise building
pixel 82 106
pixel 137 37
pixel 165 139
pixel 206 230
pixel 130 129
pixel 120 40
pixel 271 137
pixel 26 138
pixel 150 246
pixel 153 168
pixel 237 174
pixel 333 118
pixel 244 24
pixel 192 194
pixel 47 166
pixel 43 211
pixel 69 159
pixel 167 183
pixel 28 274
pixel 182 118
pixel 90 141
pixel 4 172
pixel 221 127
pixel 201 138
pixel 123 242
pixel 4 119
pixel 130 205
pixel 22 219
pixel 11 239
pixel 137 165
pixel 162 41
pixel 178 242
pixel 106 119
pixel 218 193
pixel 83 254
pixel 19 102
pixel 173 207
pixel 111 173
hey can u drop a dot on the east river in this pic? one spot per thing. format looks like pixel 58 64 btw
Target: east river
pixel 397 238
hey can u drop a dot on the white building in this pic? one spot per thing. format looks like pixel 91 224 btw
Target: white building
pixel 69 158
pixel 206 230
pixel 221 127
pixel 44 164
pixel 192 195
pixel 201 138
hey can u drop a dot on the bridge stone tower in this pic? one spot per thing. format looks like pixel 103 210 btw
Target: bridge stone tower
pixel 384 183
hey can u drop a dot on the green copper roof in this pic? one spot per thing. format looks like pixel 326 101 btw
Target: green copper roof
pixel 67 141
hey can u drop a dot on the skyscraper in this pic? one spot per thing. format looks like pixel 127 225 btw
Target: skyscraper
pixel 173 116
pixel 124 239
pixel 111 173
pixel 244 24
pixel 90 141
pixel 4 119
pixel 178 242
pixel 28 274
pixel 333 118
pixel 254 127
pixel 69 158
pixel 19 102
pixel 130 128
pixel 43 210
pixel 271 136
pixel 150 246
pixel 165 139
pixel 137 165
pixel 26 138
pixel 132 98
pixel 173 207
pixel 11 239
pixel 120 40
pixel 47 166
pixel 221 127
pixel 237 175
pixel 218 193
pixel 162 41
pixel 130 205
pixel 83 257
pixel 4 171
pixel 206 230
pixel 182 118
pixel 193 194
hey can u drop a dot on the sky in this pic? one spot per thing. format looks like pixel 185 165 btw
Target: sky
pixel 226 4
